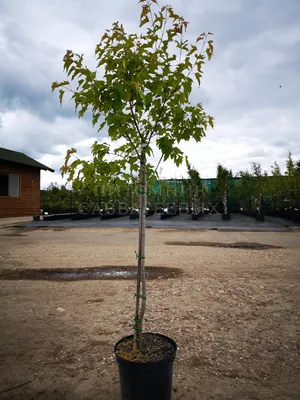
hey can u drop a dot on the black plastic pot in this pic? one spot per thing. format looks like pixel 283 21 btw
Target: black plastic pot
pixel 56 217
pixel 226 217
pixel 36 218
pixel 146 381
pixel 167 215
pixel 195 217
pixel 260 217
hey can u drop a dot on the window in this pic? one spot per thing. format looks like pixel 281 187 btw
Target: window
pixel 9 184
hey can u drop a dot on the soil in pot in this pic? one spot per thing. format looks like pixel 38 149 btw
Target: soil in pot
pixel 155 348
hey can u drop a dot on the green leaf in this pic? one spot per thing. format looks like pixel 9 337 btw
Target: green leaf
pixel 56 84
pixel 144 21
pixel 198 77
pixel 61 95
pixel 82 111
pixel 102 126
pixel 209 53
pixel 182 98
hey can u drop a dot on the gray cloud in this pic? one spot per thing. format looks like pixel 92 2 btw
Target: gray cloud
pixel 251 86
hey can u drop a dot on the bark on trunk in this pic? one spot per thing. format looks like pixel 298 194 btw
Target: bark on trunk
pixel 201 202
pixel 141 279
pixel 225 199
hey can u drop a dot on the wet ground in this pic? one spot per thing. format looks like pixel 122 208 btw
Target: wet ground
pixel 236 245
pixel 78 274
pixel 238 222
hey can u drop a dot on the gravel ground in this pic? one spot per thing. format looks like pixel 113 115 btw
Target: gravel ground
pixel 234 313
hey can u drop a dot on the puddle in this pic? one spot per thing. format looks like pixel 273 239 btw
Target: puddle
pixel 237 245
pixel 74 274
pixel 14 234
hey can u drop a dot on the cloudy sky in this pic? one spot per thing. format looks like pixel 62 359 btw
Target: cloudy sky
pixel 251 86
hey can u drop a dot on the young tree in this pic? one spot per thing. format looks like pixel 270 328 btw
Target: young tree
pixel 193 190
pixel 275 187
pixel 164 192
pixel 245 190
pixel 259 183
pixel 292 183
pixel 224 182
pixel 141 92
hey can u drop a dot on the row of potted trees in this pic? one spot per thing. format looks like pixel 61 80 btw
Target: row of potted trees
pixel 276 193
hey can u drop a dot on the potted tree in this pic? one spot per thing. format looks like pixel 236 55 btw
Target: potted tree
pixel 224 180
pixel 245 190
pixel 193 191
pixel 141 92
pixel 259 186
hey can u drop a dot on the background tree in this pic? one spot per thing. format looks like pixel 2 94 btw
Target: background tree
pixel 141 92
pixel 223 185
pixel 245 190
pixel 193 190
pixel 259 184
pixel 57 199
pixel 292 183
pixel 165 193
pixel 274 190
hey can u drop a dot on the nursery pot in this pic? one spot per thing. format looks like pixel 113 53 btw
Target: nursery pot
pixel 260 217
pixel 195 217
pixel 146 381
pixel 36 218
pixel 226 217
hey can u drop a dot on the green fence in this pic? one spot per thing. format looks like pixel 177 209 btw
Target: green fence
pixel 172 191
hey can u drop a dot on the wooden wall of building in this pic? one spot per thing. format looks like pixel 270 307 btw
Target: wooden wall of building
pixel 28 202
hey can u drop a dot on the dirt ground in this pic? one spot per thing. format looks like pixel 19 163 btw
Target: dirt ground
pixel 234 313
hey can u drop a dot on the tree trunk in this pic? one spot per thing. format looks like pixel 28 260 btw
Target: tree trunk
pixel 225 199
pixel 201 208
pixel 141 278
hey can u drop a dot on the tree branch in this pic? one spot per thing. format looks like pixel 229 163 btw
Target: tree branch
pixel 158 163
pixel 134 120
pixel 127 136
pixel 203 44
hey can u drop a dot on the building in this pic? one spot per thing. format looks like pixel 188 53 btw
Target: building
pixel 19 184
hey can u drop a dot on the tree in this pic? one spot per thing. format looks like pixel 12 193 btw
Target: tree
pixel 57 199
pixel 259 186
pixel 252 188
pixel 245 190
pixel 141 92
pixel 193 190
pixel 165 193
pixel 292 182
pixel 275 187
pixel 224 183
